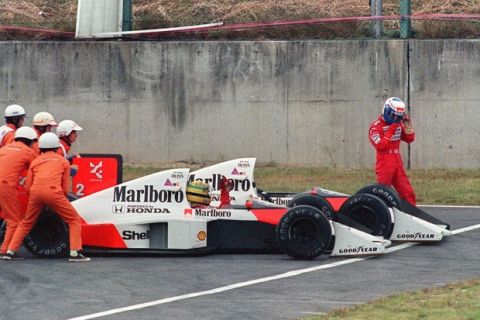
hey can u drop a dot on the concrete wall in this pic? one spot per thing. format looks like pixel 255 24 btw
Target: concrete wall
pixel 305 103
pixel 445 99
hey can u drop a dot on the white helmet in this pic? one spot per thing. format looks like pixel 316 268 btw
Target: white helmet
pixel 26 132
pixel 393 110
pixel 43 119
pixel 48 140
pixel 66 127
pixel 14 110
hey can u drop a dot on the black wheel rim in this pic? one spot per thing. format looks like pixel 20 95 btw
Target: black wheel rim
pixel 304 232
pixel 365 216
pixel 46 230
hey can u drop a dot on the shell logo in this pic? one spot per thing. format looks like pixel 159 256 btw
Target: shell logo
pixel 202 235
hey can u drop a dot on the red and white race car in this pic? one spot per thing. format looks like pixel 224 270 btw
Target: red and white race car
pixel 151 215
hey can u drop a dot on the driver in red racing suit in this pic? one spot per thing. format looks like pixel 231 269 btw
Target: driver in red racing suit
pixel 385 134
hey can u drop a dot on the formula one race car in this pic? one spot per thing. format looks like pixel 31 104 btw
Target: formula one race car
pixel 375 209
pixel 151 215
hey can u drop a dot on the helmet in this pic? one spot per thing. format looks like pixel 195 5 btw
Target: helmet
pixel 48 140
pixel 66 127
pixel 26 132
pixel 14 110
pixel 43 119
pixel 198 193
pixel 393 110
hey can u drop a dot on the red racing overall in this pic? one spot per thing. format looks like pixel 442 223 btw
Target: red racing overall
pixel 389 165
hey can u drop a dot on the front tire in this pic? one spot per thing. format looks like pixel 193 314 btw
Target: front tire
pixel 304 232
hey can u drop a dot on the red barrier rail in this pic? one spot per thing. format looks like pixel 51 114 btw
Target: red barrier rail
pixel 236 27
pixel 442 16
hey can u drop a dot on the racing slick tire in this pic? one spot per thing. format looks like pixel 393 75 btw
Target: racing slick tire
pixel 315 201
pixel 304 232
pixel 371 212
pixel 49 237
pixel 386 193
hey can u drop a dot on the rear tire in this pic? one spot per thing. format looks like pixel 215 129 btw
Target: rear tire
pixel 387 194
pixel 304 232
pixel 315 201
pixel 49 237
pixel 371 212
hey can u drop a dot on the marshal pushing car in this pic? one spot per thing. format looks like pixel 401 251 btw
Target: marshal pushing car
pixel 152 215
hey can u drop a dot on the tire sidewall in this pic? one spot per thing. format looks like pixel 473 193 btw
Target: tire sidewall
pixel 286 227
pixel 386 193
pixel 376 206
pixel 36 243
pixel 315 201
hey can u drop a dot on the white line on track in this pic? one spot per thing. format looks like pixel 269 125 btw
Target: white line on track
pixel 466 229
pixel 253 282
pixel 447 206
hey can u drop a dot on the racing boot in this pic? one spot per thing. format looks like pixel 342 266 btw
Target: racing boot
pixel 76 256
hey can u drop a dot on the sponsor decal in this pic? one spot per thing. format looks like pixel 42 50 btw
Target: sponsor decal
pixel 235 172
pixel 281 201
pixel 97 169
pixel 169 183
pixel 384 193
pixel 214 181
pixel 147 194
pixel 145 209
pixel 118 208
pixel 134 235
pixel 202 235
pixel 244 164
pixel 397 135
pixel 415 236
pixel 122 209
pixel 212 213
pixel 177 175
pixel 358 250
pixel 188 212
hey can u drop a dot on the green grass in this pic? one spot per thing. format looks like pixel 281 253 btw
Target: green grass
pixel 433 186
pixel 454 301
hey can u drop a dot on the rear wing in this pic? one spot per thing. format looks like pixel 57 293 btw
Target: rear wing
pixel 239 172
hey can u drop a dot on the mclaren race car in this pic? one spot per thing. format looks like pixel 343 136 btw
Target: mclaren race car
pixel 151 216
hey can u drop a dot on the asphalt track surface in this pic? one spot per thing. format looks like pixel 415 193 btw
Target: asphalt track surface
pixel 233 286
